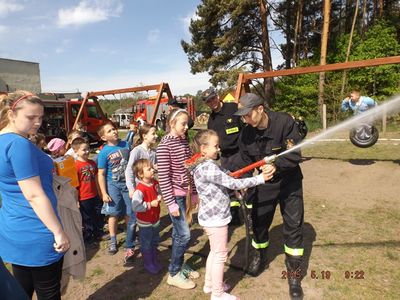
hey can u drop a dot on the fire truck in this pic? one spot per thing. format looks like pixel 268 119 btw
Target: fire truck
pixel 61 113
pixel 149 110
pixel 144 109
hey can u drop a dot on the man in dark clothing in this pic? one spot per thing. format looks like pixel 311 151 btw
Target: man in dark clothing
pixel 173 104
pixel 228 128
pixel 270 133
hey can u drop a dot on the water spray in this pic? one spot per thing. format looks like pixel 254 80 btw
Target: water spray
pixel 390 107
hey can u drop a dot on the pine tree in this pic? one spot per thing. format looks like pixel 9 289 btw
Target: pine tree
pixel 229 37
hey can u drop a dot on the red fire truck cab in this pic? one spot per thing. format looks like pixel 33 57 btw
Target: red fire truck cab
pixel 60 114
pixel 144 109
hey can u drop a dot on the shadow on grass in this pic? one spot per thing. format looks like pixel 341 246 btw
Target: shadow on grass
pixel 362 162
pixel 235 273
pixel 366 245
pixel 134 283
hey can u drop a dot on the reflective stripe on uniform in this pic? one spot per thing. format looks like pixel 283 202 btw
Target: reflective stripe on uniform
pixel 259 245
pixel 249 205
pixel 232 130
pixel 294 251
pixel 235 203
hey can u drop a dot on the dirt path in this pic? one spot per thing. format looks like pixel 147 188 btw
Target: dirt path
pixel 351 222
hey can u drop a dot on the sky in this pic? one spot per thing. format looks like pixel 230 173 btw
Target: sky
pixel 90 45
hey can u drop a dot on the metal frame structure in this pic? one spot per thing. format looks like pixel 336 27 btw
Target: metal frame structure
pixel 160 88
pixel 244 79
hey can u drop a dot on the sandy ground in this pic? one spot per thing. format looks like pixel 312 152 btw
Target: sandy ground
pixel 338 196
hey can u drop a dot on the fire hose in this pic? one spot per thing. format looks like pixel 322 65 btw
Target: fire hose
pixel 266 160
pixel 245 212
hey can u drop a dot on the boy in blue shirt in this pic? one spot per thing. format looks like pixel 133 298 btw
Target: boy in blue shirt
pixel 111 163
pixel 357 103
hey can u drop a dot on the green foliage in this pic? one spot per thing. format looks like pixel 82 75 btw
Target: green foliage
pixel 226 39
pixel 199 103
pixel 380 40
pixel 297 95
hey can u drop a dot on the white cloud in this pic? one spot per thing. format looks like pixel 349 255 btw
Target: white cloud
pixel 7 6
pixel 153 35
pixel 186 21
pixel 59 50
pixel 89 11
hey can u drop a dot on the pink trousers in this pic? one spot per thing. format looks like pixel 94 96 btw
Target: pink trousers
pixel 218 237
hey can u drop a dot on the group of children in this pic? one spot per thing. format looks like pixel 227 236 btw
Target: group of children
pixel 188 177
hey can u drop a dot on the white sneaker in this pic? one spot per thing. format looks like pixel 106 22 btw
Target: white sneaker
pixel 225 296
pixel 207 289
pixel 181 281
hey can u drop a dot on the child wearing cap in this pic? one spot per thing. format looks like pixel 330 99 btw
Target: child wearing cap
pixel 57 147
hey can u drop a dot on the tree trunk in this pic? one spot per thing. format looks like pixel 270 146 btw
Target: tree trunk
pixel 349 6
pixel 364 20
pixel 348 50
pixel 266 54
pixel 324 44
pixel 288 33
pixel 297 31
pixel 380 8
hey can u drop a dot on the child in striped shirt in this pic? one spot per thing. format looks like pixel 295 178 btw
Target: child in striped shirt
pixel 175 183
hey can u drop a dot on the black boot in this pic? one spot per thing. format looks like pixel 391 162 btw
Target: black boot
pixel 294 274
pixel 235 216
pixel 258 262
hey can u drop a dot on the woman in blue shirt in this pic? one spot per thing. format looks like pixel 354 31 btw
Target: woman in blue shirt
pixel 31 236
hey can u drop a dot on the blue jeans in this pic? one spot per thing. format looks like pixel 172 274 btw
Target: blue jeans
pixel 121 205
pixel 149 237
pixel 180 237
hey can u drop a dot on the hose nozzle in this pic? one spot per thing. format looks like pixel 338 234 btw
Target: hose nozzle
pixel 270 159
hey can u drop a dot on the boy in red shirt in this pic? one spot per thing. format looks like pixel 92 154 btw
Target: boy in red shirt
pixel 146 203
pixel 89 201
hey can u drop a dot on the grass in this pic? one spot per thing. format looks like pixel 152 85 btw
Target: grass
pixel 346 151
pixel 96 271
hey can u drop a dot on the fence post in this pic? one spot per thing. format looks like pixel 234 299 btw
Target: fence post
pixel 384 120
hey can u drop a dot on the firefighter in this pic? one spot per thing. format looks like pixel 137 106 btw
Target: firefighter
pixel 269 133
pixel 227 126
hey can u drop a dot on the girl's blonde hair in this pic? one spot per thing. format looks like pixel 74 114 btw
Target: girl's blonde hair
pixel 14 101
pixel 201 138
pixel 173 115
pixel 143 130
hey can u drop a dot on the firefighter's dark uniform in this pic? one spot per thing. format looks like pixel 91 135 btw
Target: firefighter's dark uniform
pixel 228 129
pixel 284 188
